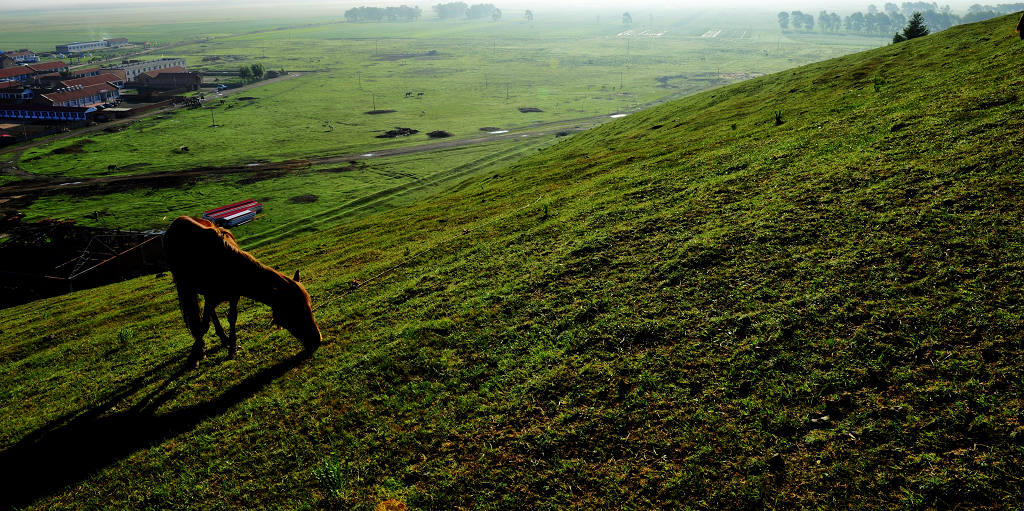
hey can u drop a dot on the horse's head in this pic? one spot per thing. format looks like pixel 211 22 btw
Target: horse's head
pixel 294 312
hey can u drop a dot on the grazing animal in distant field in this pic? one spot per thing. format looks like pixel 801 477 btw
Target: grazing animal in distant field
pixel 1020 27
pixel 205 260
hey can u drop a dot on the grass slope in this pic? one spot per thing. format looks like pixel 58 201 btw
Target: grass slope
pixel 690 307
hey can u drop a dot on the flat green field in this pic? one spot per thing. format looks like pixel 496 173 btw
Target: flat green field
pixel 455 76
pixel 461 77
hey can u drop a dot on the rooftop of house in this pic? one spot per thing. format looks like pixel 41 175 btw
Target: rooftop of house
pixel 166 70
pixel 47 66
pixel 93 80
pixel 78 92
pixel 12 72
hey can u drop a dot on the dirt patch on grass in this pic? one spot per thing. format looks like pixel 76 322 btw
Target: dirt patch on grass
pixel 247 98
pixel 348 167
pixel 439 134
pixel 261 176
pixel 490 128
pixel 75 148
pixel 528 109
pixel 398 132
pixel 432 54
pixel 378 112
pixel 304 199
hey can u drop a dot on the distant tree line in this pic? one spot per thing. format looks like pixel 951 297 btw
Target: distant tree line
pixel 454 10
pixel 392 14
pixel 892 18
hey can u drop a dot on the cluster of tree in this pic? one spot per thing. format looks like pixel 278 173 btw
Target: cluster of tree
pixel 402 13
pixel 797 19
pixel 454 10
pixel 979 12
pixel 892 18
pixel 1001 8
pixel 253 73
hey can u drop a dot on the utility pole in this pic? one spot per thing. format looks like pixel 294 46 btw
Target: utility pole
pixel 213 120
pixel 373 99
pixel 359 77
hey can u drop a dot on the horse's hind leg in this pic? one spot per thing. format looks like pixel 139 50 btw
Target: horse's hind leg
pixel 232 317
pixel 188 301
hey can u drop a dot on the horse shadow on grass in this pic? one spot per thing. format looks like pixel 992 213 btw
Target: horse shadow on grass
pixel 70 448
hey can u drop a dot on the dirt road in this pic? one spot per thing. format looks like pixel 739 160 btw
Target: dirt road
pixel 41 184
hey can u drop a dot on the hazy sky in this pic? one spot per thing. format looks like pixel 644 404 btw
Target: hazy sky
pixel 551 5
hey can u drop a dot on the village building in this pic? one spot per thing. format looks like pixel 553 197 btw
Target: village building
pixel 17 74
pixel 133 68
pixel 77 47
pixel 172 78
pixel 110 78
pixel 48 67
pixel 45 113
pixel 84 96
pixel 82 73
pixel 16 58
pixel 15 92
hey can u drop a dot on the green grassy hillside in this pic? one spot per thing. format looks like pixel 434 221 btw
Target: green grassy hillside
pixel 693 306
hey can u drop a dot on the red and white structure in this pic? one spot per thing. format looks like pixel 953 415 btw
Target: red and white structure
pixel 234 214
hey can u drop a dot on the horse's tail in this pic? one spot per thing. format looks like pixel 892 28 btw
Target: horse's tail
pixel 188 302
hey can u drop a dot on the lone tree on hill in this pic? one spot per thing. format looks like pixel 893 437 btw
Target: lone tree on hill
pixel 529 15
pixel 915 28
pixel 627 19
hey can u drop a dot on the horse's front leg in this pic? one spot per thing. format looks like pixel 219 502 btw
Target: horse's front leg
pixel 232 316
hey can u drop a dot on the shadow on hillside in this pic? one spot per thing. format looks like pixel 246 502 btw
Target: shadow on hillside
pixel 73 447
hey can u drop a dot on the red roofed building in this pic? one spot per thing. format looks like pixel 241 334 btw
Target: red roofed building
pixel 90 95
pixel 82 73
pixel 48 67
pixel 16 58
pixel 95 80
pixel 18 74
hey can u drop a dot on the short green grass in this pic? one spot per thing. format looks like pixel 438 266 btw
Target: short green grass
pixel 692 307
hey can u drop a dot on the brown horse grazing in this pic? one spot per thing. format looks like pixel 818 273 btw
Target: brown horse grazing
pixel 205 260
pixel 1020 27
